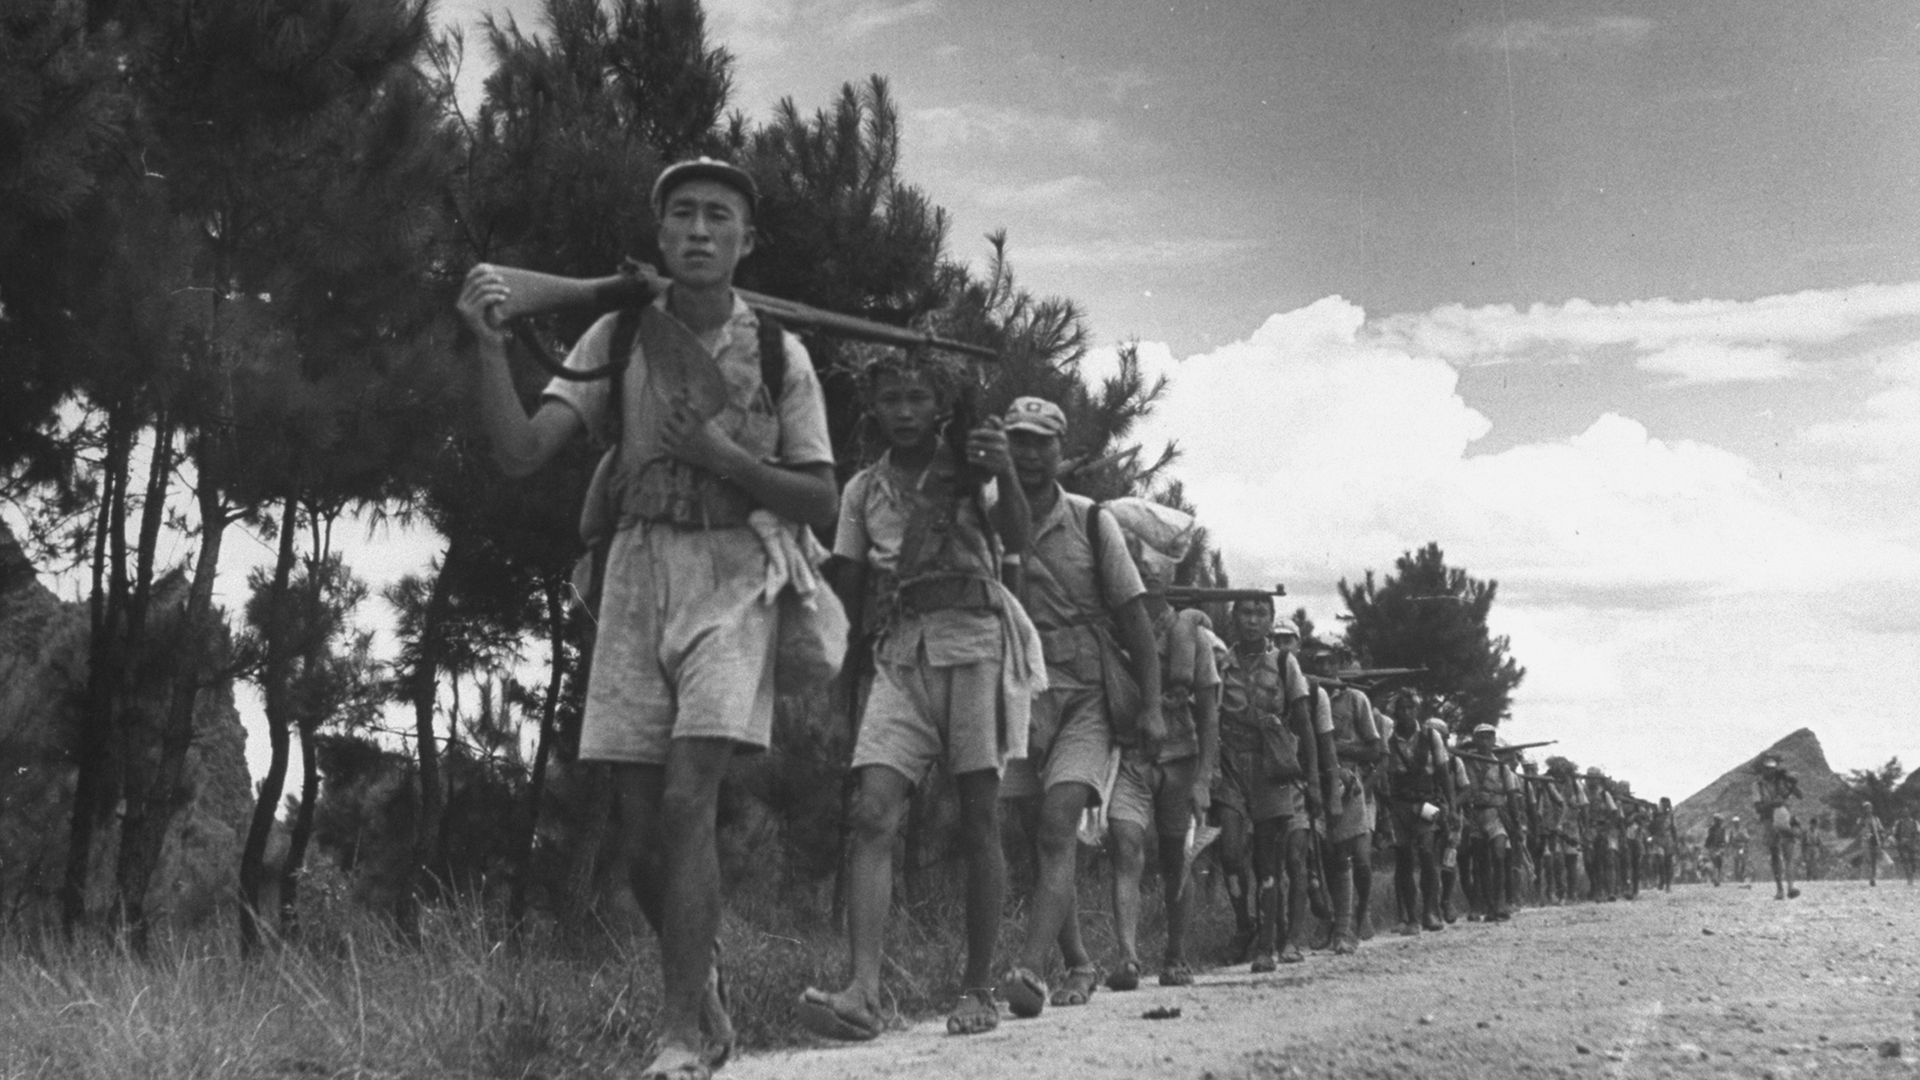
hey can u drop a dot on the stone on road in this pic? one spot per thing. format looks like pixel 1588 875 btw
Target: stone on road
pixel 1819 986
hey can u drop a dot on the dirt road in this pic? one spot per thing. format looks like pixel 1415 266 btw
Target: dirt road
pixel 1699 982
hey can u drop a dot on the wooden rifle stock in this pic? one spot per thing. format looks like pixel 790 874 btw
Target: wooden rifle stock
pixel 535 293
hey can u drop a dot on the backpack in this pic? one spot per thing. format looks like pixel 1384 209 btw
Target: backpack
pixel 596 519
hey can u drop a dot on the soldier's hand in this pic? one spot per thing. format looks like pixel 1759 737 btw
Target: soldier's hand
pixel 987 448
pixel 1153 723
pixel 700 441
pixel 1200 799
pixel 480 298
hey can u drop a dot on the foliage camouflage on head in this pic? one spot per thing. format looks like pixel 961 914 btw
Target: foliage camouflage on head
pixel 943 374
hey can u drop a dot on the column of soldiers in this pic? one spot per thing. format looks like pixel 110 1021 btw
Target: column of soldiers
pixel 1021 641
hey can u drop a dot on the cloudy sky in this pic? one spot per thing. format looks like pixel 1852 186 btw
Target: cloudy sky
pixel 1617 302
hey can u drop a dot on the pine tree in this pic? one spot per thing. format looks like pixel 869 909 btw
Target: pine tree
pixel 1431 616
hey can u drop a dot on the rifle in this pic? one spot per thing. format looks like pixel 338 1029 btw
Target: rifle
pixel 1198 594
pixel 535 293
pixel 1358 678
pixel 1517 747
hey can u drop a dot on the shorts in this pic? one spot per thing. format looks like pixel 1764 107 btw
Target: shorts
pixel 1243 788
pixel 1406 827
pixel 1070 743
pixel 1353 810
pixel 921 714
pixel 1154 794
pixel 684 647
pixel 1484 823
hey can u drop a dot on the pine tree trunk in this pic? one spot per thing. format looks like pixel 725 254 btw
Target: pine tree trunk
pixel 295 865
pixel 106 669
pixel 537 786
pixel 275 691
pixel 423 691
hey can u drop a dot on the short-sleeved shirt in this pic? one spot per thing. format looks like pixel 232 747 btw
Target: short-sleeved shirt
pixel 1253 687
pixel 1067 599
pixel 723 380
pixel 1183 737
pixel 1352 716
pixel 875 513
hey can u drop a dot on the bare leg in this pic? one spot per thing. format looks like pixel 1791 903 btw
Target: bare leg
pixel 1054 903
pixel 691 883
pixel 1173 866
pixel 986 871
pixel 1129 861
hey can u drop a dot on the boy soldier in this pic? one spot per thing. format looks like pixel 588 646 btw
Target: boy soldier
pixel 1490 786
pixel 1906 843
pixel 1603 840
pixel 1716 845
pixel 1737 843
pixel 682 667
pixel 1773 786
pixel 1166 792
pixel 1664 841
pixel 1419 782
pixel 1270 783
pixel 1453 825
pixel 955 666
pixel 1569 824
pixel 1358 744
pixel 1633 835
pixel 1871 835
pixel 1085 596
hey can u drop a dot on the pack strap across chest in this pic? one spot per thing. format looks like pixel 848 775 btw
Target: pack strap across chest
pixel 698 498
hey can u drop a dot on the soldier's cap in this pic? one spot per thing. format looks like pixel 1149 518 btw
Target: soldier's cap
pixel 1717 817
pixel 1038 415
pixel 1484 729
pixel 705 168
pixel 1283 627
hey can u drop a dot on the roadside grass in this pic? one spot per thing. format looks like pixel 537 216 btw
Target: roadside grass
pixel 351 998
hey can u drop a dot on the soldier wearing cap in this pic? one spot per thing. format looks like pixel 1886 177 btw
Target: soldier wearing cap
pixel 1269 788
pixel 1773 787
pixel 682 675
pixel 1085 596
pixel 1737 839
pixel 1356 744
pixel 1490 786
pixel 1419 784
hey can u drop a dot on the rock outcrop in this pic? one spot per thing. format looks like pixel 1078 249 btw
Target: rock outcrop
pixel 1732 793
pixel 43 675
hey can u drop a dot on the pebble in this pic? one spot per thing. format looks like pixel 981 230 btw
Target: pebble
pixel 1581 1048
pixel 1707 930
pixel 1427 1019
pixel 1890 1048
pixel 1483 1024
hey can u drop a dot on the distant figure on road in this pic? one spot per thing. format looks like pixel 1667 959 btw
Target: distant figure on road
pixel 1773 786
pixel 1906 843
pixel 1872 835
pixel 1418 785
pixel 1737 840
pixel 1663 840
pixel 1716 846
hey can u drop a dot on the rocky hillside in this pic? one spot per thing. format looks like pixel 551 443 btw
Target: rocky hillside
pixel 43 672
pixel 1732 793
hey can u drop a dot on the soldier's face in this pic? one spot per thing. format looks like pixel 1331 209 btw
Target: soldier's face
pixel 1036 458
pixel 1252 622
pixel 705 230
pixel 906 408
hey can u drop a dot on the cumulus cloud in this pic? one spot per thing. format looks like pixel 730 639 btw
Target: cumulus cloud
pixel 1539 36
pixel 951 127
pixel 1644 576
pixel 1698 341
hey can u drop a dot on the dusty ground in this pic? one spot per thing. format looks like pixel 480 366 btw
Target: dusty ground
pixel 1700 982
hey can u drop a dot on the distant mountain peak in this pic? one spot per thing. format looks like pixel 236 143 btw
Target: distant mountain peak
pixel 1732 794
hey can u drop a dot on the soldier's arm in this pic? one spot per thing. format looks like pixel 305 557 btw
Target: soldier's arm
pixel 1206 722
pixel 1300 719
pixel 1143 661
pixel 520 444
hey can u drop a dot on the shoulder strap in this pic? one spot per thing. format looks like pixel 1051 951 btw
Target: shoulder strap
pixel 773 357
pixel 1098 547
pixel 626 327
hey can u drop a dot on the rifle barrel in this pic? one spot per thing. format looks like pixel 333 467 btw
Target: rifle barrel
pixel 535 293
pixel 1202 595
